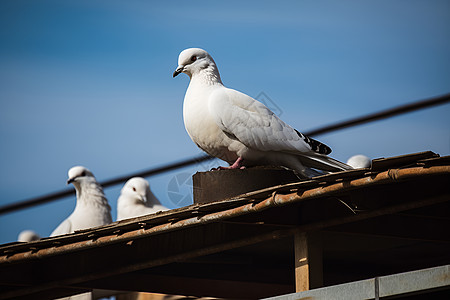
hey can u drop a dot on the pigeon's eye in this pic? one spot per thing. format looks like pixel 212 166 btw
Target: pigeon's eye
pixel 134 189
pixel 83 173
pixel 193 58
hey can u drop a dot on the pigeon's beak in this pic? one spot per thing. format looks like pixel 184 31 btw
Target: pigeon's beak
pixel 178 71
pixel 70 180
pixel 144 199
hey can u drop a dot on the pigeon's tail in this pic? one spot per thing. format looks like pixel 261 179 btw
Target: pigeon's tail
pixel 307 173
pixel 318 159
pixel 324 163
pixel 315 145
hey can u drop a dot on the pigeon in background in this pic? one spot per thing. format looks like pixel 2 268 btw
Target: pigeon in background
pixel 92 208
pixel 136 200
pixel 240 130
pixel 359 161
pixel 28 236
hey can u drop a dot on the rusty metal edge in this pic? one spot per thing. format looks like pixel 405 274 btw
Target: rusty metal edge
pixel 102 237
pixel 274 200
pixel 214 249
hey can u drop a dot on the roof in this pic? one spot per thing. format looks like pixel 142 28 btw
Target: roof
pixel 390 218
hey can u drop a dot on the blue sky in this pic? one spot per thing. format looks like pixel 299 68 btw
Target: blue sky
pixel 90 83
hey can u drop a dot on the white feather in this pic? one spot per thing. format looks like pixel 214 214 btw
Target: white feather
pixel 229 125
pixel 359 161
pixel 136 199
pixel 28 236
pixel 92 208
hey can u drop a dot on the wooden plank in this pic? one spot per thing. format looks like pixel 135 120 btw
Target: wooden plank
pixel 308 261
pixel 402 225
pixel 195 287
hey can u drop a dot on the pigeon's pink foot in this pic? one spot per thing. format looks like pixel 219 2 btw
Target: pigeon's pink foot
pixel 236 165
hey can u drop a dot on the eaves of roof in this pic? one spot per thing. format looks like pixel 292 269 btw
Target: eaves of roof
pixel 418 166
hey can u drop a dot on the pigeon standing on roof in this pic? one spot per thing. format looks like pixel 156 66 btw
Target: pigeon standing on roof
pixel 240 130
pixel 92 208
pixel 359 161
pixel 136 199
pixel 28 236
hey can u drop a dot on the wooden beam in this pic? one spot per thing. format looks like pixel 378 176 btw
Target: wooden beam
pixel 190 286
pixel 402 225
pixel 308 261
pixel 94 263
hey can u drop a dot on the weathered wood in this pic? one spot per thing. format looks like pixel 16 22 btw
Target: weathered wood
pixel 147 296
pixel 223 184
pixel 308 261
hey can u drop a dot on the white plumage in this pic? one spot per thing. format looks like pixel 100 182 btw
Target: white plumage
pixel 28 236
pixel 359 161
pixel 136 199
pixel 236 128
pixel 92 208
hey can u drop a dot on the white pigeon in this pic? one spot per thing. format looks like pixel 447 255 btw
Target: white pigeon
pixel 136 199
pixel 92 208
pixel 28 236
pixel 359 161
pixel 240 130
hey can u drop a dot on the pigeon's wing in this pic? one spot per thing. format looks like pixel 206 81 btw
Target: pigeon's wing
pixel 63 228
pixel 253 124
pixel 243 118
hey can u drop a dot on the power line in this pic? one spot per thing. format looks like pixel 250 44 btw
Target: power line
pixel 328 128
pixel 382 114
pixel 68 192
